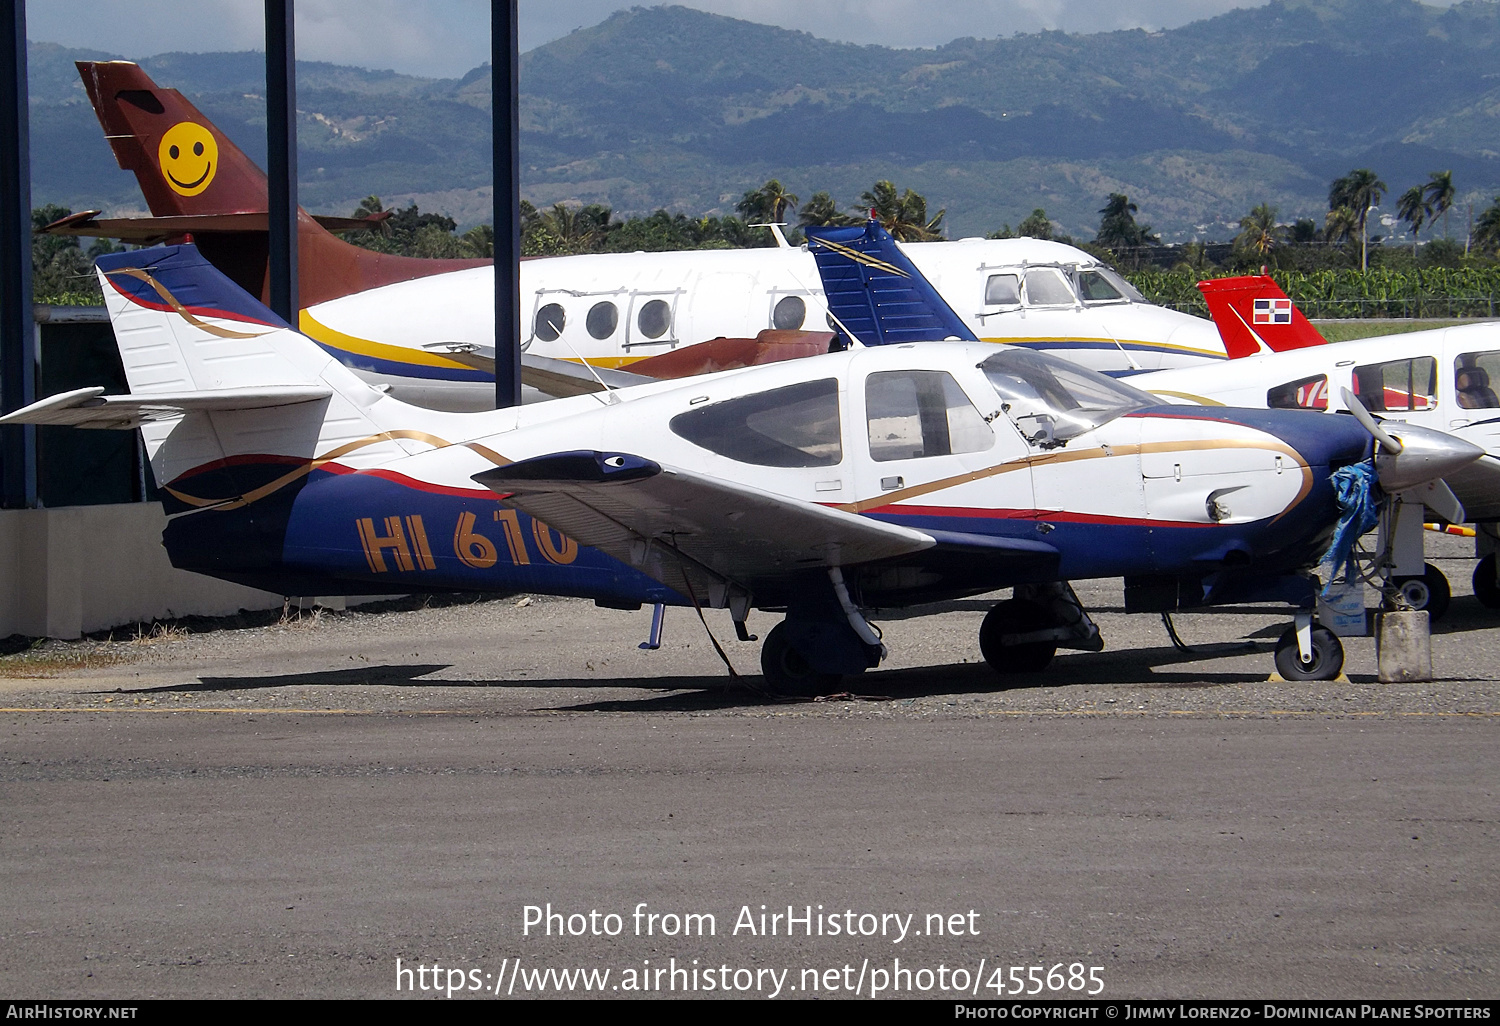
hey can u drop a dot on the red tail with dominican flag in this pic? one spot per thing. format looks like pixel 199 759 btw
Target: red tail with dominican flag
pixel 1254 316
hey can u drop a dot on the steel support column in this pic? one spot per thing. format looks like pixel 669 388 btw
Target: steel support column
pixel 281 140
pixel 17 329
pixel 505 62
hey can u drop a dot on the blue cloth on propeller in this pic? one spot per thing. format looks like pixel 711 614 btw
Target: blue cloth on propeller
pixel 1357 492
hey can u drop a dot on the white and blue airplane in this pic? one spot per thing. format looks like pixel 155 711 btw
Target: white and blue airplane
pixel 878 477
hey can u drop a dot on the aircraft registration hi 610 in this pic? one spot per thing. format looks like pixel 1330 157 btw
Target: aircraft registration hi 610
pixel 822 488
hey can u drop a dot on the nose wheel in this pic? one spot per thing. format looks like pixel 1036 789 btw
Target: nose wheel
pixel 1486 589
pixel 1428 591
pixel 1326 655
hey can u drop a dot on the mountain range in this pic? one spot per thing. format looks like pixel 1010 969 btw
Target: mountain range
pixel 677 108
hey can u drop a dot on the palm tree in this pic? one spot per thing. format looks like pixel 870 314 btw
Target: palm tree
pixel 1258 230
pixel 770 204
pixel 904 216
pixel 1412 208
pixel 821 211
pixel 1440 195
pixel 1339 225
pixel 1037 226
pixel 1487 227
pixel 574 229
pixel 1118 228
pixel 1360 191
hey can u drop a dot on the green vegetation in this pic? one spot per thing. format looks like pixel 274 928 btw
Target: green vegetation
pixel 1379 292
pixel 62 272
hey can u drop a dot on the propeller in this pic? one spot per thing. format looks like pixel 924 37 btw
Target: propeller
pixel 1412 457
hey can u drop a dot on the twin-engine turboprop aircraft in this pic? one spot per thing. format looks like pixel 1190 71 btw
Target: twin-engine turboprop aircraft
pixel 425 328
pixel 870 478
pixel 1443 379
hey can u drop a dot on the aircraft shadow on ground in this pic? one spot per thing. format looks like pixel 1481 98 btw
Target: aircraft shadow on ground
pixel 1143 668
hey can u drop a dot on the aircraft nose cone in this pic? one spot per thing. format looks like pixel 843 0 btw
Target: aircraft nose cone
pixel 1425 455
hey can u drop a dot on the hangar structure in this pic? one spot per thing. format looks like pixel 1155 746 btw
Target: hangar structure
pixel 80 524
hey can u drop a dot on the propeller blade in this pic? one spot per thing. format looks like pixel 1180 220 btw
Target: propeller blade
pixel 1438 497
pixel 1369 423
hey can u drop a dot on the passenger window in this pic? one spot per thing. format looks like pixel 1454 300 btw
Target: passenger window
pixel 549 322
pixel 1094 287
pixel 1045 286
pixel 1474 377
pixel 795 426
pixel 1306 394
pixel 1002 290
pixel 654 319
pixel 789 314
pixel 911 414
pixel 1400 386
pixel 602 320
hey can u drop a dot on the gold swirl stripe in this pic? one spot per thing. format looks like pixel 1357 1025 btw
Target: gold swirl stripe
pixel 861 258
pixel 182 311
pixel 256 494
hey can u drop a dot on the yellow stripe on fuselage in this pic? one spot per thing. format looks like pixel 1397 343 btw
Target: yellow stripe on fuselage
pixel 320 332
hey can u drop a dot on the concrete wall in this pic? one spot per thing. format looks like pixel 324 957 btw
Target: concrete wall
pixel 66 572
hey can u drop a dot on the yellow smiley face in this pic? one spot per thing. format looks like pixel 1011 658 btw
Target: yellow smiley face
pixel 189 157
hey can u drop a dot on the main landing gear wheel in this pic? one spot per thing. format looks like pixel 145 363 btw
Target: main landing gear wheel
pixel 1485 588
pixel 1016 616
pixel 787 669
pixel 1327 655
pixel 1430 591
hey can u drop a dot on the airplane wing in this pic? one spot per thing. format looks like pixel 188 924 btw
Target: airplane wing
pixel 694 533
pixel 557 378
pixel 151 229
pixel 91 408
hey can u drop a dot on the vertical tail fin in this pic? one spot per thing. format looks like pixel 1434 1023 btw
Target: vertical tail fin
pixel 183 328
pixel 1254 316
pixel 183 163
pixel 876 292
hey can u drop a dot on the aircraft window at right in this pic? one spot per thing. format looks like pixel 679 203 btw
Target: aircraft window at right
pixel 1398 386
pixel 1003 290
pixel 1051 400
pixel 916 413
pixel 795 426
pixel 1046 286
pixel 789 314
pixel 549 322
pixel 1303 394
pixel 1114 277
pixel 654 319
pixel 1474 378
pixel 1094 287
pixel 602 320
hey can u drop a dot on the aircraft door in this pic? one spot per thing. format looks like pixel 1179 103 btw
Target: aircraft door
pixel 928 451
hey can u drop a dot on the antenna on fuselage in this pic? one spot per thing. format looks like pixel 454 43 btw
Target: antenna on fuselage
pixel 775 227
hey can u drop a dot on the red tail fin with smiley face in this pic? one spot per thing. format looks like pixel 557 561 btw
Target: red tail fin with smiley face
pixel 186 167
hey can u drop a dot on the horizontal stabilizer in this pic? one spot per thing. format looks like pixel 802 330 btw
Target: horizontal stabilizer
pixel 876 293
pixel 155 229
pixel 91 408
pixel 689 531
pixel 557 378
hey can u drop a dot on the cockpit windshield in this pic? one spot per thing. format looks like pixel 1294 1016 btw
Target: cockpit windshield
pixel 1051 400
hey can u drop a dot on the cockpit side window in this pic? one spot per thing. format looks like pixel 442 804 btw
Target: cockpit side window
pixel 917 413
pixel 1051 400
pixel 1475 376
pixel 1303 394
pixel 1094 287
pixel 1002 290
pixel 1398 386
pixel 1046 286
pixel 795 426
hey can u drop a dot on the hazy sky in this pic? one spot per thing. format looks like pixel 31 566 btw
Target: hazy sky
pixel 445 38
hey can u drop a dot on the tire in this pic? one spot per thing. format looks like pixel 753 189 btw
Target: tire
pixel 786 669
pixel 1430 591
pixel 1015 616
pixel 1327 655
pixel 1485 588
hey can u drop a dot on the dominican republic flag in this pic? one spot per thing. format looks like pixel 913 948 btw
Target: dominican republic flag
pixel 1273 311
